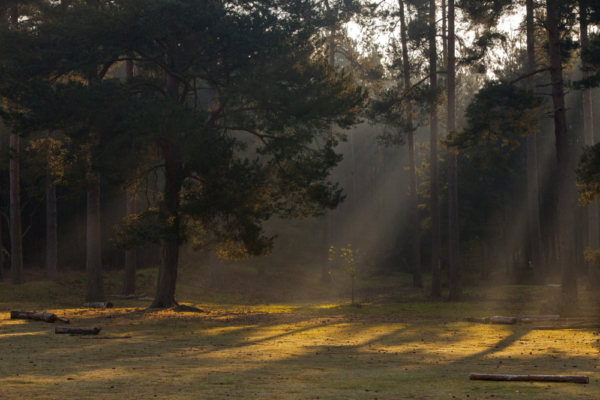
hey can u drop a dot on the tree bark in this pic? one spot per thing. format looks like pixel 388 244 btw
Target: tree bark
pixel 167 272
pixel 588 134
pixel 16 243
pixel 93 267
pixel 37 316
pixel 50 267
pixel 436 284
pixel 533 205
pixel 454 256
pixel 412 168
pixel 130 255
pixel 77 331
pixel 565 172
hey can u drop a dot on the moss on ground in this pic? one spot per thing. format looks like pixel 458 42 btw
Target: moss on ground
pixel 399 345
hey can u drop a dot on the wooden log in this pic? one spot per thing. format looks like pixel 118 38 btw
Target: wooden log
pixel 483 320
pixel 127 296
pixel 503 320
pixel 535 378
pixel 537 317
pixel 106 337
pixel 572 326
pixel 37 316
pixel 98 305
pixel 146 299
pixel 77 331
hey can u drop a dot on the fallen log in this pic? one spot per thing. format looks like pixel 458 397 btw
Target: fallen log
pixel 503 320
pixel 37 316
pixel 535 378
pixel 483 320
pixel 572 326
pixel 537 317
pixel 77 331
pixel 127 296
pixel 146 299
pixel 98 305
pixel 106 337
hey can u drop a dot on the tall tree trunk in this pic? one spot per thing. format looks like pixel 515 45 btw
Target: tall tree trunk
pixel 412 169
pixel 16 243
pixel 167 272
pixel 93 265
pixel 454 259
pixel 50 267
pixel 130 255
pixel 533 202
pixel 566 181
pixel 588 134
pixel 131 198
pixel 436 283
pixel 326 266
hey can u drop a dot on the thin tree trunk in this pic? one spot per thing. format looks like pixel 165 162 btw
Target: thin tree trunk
pixel 16 244
pixel 535 234
pixel 93 267
pixel 326 266
pixel 130 255
pixel 566 182
pixel 167 272
pixel 436 284
pixel 414 203
pixel 50 267
pixel 454 259
pixel 588 134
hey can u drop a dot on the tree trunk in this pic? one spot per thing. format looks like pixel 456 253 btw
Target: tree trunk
pixel 412 164
pixel 131 198
pixel 454 259
pixel 50 267
pixel 565 173
pixel 326 266
pixel 16 243
pixel 436 284
pixel 93 265
pixel 533 205
pixel 588 134
pixel 167 272
pixel 535 378
pixel 130 255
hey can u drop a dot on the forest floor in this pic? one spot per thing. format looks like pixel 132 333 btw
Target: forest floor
pixel 399 345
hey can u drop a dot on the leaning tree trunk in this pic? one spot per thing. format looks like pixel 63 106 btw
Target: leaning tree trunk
pixel 16 243
pixel 436 284
pixel 533 202
pixel 412 169
pixel 130 255
pixel 93 267
pixel 588 134
pixel 565 173
pixel 167 272
pixel 454 259
pixel 50 266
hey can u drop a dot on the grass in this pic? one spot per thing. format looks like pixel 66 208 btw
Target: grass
pixel 399 345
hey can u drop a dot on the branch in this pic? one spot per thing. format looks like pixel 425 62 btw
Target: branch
pixel 528 75
pixel 258 135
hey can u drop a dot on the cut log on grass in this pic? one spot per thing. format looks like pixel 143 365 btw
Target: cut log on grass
pixel 537 317
pixel 98 305
pixel 503 320
pixel 572 326
pixel 37 316
pixel 77 331
pixel 106 337
pixel 483 320
pixel 533 378
pixel 127 296
pixel 146 299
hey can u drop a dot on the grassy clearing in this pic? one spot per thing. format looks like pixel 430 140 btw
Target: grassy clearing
pixel 400 344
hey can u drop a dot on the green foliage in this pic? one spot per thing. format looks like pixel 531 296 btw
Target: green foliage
pixel 352 260
pixel 498 115
pixel 588 174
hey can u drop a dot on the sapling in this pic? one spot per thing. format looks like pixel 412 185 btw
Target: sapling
pixel 351 259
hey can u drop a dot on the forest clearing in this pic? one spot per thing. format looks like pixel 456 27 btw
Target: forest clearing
pixel 398 345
